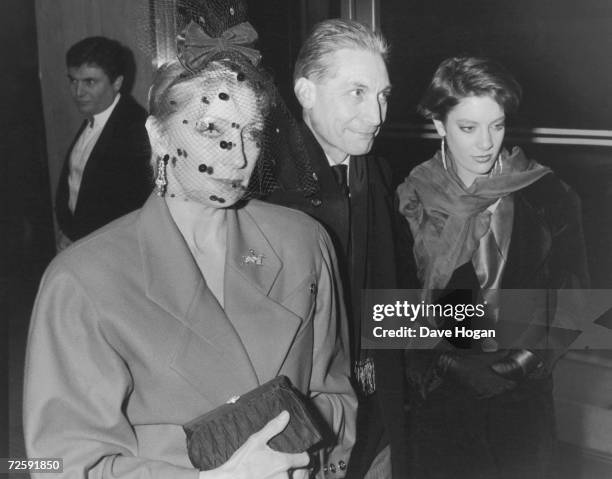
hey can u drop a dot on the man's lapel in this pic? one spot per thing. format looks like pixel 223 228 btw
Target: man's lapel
pixel 62 186
pixel 333 207
pixel 100 148
pixel 319 162
pixel 253 267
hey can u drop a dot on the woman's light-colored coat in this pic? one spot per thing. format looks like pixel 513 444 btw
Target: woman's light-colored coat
pixel 127 343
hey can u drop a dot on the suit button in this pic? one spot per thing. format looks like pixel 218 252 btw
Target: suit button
pixel 316 202
pixel 313 288
pixel 342 465
pixel 325 469
pixel 332 468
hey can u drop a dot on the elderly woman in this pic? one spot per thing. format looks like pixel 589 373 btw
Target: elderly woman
pixel 487 220
pixel 198 297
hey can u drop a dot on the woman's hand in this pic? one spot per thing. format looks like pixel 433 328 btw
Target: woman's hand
pixel 256 460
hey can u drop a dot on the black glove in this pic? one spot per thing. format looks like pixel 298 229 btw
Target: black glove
pixel 517 365
pixel 473 374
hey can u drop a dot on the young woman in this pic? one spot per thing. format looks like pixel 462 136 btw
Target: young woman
pixel 488 220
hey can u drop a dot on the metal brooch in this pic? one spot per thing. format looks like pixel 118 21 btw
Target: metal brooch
pixel 253 258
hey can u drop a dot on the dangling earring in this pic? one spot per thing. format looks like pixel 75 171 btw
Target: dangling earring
pixel 443 148
pixel 160 180
pixel 498 167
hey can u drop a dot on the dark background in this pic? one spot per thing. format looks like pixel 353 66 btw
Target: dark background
pixel 559 50
pixel 26 225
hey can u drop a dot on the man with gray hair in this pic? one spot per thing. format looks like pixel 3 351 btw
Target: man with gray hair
pixel 342 84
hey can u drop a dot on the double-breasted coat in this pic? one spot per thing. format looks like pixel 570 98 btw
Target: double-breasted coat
pixel 127 343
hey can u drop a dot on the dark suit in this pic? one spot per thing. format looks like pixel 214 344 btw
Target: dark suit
pixel 117 178
pixel 453 433
pixel 362 228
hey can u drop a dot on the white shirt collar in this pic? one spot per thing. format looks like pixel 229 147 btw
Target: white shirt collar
pixel 100 119
pixel 343 162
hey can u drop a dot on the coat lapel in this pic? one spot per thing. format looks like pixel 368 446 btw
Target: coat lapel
pixel 211 350
pixel 334 207
pixel 319 162
pixel 62 188
pixel 530 246
pixel 99 151
pixel 253 267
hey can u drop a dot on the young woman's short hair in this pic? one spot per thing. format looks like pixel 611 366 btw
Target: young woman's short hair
pixel 460 77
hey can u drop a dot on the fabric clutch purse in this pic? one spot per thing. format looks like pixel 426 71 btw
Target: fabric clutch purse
pixel 213 437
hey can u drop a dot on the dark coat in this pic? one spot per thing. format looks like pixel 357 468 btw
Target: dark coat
pixel 362 228
pixel 512 434
pixel 117 178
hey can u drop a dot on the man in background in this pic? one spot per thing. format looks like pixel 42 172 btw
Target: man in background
pixel 106 173
pixel 341 81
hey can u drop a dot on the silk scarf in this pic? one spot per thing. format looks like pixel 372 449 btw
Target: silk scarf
pixel 447 219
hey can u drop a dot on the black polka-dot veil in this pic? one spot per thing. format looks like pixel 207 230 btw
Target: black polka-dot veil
pixel 220 128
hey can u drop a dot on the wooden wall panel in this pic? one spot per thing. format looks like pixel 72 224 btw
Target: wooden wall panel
pixel 26 241
pixel 60 24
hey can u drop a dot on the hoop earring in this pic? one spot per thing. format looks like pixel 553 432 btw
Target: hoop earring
pixel 443 149
pixel 161 182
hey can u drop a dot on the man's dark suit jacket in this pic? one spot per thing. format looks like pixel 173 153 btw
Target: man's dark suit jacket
pixel 117 178
pixel 363 231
